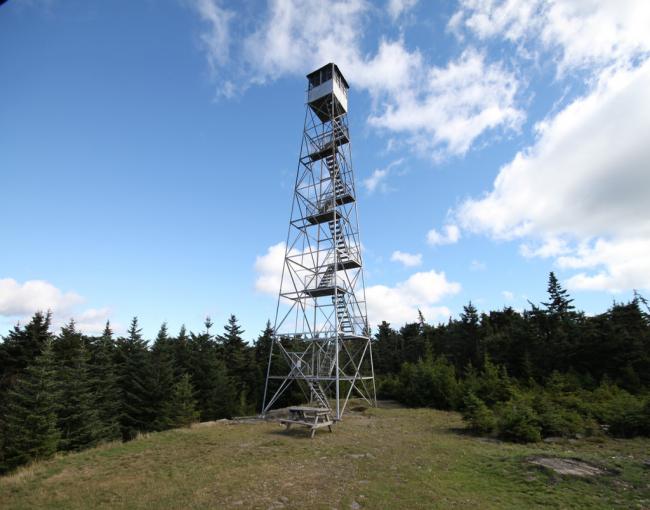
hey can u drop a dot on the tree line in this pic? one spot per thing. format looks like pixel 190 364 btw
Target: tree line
pixel 71 391
pixel 547 370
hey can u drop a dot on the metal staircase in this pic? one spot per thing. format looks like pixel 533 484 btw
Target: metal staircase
pixel 318 395
pixel 327 280
pixel 342 314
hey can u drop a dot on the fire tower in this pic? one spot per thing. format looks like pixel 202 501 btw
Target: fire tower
pixel 321 327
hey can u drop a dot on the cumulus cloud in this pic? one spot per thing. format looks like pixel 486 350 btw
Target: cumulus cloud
pixel 18 299
pixel 400 303
pixel 582 187
pixel 407 259
pixel 585 34
pixel 397 8
pixel 450 234
pixel 269 269
pixel 22 300
pixel 93 320
pixel 450 107
pixel 439 110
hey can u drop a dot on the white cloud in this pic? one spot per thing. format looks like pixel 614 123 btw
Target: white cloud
pixel 33 295
pixel 449 235
pixel 584 185
pixel 450 107
pixel 93 320
pixel 22 300
pixel 438 110
pixel 584 33
pixel 551 247
pixel 508 295
pixel 298 35
pixel 619 264
pixel 377 180
pixel 407 259
pixel 215 40
pixel 269 269
pixel 400 304
pixel 398 7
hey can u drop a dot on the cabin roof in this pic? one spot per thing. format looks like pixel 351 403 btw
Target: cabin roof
pixel 336 70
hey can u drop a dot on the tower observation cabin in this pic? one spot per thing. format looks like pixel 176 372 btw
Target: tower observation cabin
pixel 328 92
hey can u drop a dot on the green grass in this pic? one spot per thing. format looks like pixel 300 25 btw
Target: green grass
pixel 384 458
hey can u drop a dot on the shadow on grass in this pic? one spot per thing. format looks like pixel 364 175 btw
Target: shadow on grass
pixel 298 433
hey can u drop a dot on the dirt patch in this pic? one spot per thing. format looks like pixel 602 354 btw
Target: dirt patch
pixel 572 467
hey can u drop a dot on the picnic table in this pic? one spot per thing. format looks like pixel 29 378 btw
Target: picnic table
pixel 311 417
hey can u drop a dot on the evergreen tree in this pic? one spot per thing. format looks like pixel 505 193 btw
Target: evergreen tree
pixel 163 367
pixel 559 301
pixel 21 346
pixel 105 384
pixel 78 418
pixel 234 348
pixel 214 389
pixel 387 351
pixel 183 411
pixel 182 353
pixel 261 352
pixel 412 342
pixel 137 382
pixel 238 360
pixel 31 421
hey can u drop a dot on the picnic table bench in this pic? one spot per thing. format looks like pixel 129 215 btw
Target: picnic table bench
pixel 311 417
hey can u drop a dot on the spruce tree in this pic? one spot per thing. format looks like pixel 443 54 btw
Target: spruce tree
pixel 214 389
pixel 559 302
pixel 78 418
pixel 163 368
pixel 238 359
pixel 183 405
pixel 21 346
pixel 261 352
pixel 30 421
pixel 182 353
pixel 104 379
pixel 137 383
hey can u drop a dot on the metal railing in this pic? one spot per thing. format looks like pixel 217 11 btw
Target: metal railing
pixel 325 140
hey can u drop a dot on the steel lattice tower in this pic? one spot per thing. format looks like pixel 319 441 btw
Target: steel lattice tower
pixel 321 327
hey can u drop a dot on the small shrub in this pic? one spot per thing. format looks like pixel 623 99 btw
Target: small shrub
pixel 555 420
pixel 429 384
pixel 477 415
pixel 518 422
pixel 494 384
pixel 389 387
pixel 624 414
pixel 629 419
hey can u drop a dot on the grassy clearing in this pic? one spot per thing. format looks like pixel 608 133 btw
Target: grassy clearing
pixel 383 458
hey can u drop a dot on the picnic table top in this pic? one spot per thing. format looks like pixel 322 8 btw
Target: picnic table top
pixel 305 409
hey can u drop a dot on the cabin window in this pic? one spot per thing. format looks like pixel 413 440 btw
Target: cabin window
pixel 314 80
pixel 327 74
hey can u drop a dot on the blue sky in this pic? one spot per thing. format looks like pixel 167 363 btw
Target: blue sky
pixel 148 150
